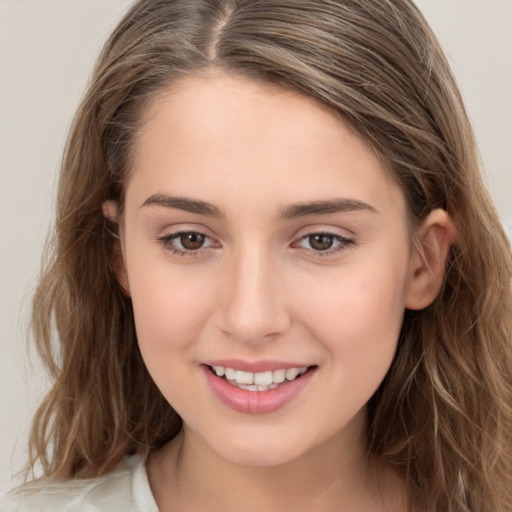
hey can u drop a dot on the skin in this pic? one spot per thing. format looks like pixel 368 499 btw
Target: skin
pixel 258 290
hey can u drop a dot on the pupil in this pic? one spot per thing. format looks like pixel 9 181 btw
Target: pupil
pixel 192 241
pixel 321 242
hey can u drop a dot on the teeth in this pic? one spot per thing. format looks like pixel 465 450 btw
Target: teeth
pixel 261 381
pixel 229 373
pixel 251 387
pixel 291 373
pixel 263 378
pixel 278 376
pixel 244 377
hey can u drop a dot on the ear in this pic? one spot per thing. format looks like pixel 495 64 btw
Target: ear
pixel 428 259
pixel 116 258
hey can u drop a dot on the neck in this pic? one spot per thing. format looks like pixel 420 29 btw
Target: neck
pixel 337 475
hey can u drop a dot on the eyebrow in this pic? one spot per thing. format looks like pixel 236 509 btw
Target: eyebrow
pixel 326 207
pixel 185 204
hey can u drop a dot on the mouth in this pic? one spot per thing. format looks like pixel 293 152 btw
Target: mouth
pixel 259 381
pixel 271 385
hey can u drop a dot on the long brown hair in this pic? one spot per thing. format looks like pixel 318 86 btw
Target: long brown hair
pixel 443 415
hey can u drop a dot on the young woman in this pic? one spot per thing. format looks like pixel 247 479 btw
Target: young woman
pixel 278 282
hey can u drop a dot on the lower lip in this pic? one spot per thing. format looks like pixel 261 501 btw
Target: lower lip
pixel 256 402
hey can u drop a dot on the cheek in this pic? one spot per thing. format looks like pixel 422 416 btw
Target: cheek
pixel 170 311
pixel 358 314
pixel 169 306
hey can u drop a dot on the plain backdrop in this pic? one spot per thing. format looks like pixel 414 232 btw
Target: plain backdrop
pixel 47 49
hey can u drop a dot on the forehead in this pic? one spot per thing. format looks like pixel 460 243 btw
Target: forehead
pixel 210 135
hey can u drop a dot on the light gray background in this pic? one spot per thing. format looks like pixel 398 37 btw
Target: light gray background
pixel 47 49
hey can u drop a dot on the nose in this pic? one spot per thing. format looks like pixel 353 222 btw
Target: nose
pixel 253 307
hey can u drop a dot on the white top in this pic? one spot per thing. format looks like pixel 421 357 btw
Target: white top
pixel 126 489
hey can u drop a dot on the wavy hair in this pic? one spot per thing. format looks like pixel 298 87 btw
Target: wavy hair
pixel 443 415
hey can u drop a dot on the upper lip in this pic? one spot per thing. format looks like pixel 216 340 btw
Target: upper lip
pixel 254 366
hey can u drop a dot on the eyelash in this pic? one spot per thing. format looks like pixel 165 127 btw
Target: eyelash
pixel 167 243
pixel 343 244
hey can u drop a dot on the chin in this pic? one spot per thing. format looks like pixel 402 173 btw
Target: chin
pixel 258 459
pixel 260 450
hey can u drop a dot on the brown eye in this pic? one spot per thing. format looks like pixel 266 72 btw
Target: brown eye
pixel 324 244
pixel 187 243
pixel 192 241
pixel 320 242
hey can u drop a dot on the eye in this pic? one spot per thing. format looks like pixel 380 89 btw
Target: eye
pixel 328 243
pixel 191 241
pixel 186 242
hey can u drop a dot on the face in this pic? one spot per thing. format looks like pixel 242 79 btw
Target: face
pixel 267 257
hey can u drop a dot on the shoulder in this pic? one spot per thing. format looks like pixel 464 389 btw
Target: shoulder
pixel 125 489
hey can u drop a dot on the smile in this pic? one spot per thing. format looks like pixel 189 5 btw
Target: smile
pixel 257 392
pixel 259 381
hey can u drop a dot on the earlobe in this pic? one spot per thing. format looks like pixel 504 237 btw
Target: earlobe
pixel 110 211
pixel 428 261
pixel 119 268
